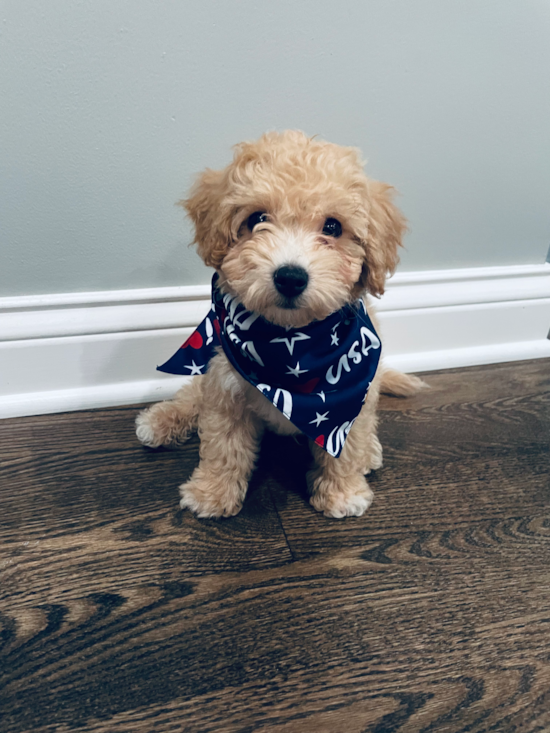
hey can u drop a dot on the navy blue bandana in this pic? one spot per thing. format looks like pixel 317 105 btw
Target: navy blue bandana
pixel 318 376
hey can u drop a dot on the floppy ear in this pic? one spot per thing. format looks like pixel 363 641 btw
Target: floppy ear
pixel 212 220
pixel 385 230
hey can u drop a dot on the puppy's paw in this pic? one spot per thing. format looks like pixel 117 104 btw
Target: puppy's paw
pixel 159 425
pixel 208 500
pixel 350 499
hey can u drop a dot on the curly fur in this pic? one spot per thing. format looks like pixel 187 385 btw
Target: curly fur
pixel 299 182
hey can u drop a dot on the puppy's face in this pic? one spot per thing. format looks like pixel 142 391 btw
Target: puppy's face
pixel 294 227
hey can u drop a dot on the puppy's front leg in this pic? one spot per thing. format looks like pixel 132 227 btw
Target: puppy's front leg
pixel 338 486
pixel 335 492
pixel 230 437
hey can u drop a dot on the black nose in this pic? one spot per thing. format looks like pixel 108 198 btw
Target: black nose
pixel 290 280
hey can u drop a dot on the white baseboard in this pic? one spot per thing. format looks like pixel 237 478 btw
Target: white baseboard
pixel 77 351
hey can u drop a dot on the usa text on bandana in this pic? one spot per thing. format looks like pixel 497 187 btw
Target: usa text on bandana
pixel 317 376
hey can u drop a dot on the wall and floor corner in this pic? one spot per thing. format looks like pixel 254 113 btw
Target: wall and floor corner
pixel 109 109
pixel 79 351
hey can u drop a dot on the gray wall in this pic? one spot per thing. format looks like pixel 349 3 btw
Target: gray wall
pixel 110 106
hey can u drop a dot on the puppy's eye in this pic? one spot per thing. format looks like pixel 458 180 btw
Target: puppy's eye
pixel 256 218
pixel 332 228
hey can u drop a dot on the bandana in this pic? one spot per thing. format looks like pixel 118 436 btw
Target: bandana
pixel 318 376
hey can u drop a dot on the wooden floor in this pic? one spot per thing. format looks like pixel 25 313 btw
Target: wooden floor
pixel 430 613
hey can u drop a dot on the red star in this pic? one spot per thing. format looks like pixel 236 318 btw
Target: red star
pixel 307 387
pixel 194 341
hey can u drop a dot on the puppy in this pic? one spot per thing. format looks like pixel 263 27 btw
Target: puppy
pixel 298 235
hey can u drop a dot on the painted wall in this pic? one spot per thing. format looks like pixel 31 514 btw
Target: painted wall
pixel 108 108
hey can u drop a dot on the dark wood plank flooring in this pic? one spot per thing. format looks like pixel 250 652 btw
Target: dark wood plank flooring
pixel 119 613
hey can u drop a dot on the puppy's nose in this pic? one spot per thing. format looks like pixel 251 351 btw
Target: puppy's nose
pixel 290 280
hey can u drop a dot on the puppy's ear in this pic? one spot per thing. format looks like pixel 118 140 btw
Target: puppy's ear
pixel 212 220
pixel 385 230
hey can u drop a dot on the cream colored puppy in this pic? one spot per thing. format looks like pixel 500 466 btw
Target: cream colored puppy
pixel 296 232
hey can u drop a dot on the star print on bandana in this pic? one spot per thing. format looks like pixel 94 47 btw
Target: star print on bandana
pixel 296 371
pixel 290 341
pixel 319 419
pixel 194 368
pixel 337 371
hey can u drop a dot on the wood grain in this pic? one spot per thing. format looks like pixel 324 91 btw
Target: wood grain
pixel 120 613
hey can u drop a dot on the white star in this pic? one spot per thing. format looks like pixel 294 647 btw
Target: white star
pixel 296 371
pixel 194 369
pixel 291 341
pixel 319 419
pixel 334 339
pixel 321 395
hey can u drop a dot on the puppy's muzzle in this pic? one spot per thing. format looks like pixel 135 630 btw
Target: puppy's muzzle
pixel 290 280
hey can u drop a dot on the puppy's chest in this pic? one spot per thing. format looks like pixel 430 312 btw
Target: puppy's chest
pixel 255 400
pixel 272 417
